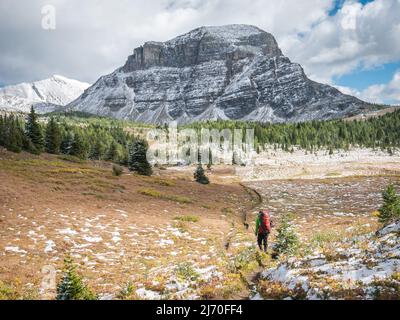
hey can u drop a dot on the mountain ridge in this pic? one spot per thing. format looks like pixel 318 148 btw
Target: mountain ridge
pixel 235 72
pixel 45 95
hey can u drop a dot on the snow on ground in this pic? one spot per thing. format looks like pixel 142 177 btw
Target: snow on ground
pixel 182 282
pixel 15 249
pixel 365 266
pixel 50 245
pixel 277 164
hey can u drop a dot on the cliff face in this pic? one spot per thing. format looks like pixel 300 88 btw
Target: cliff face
pixel 231 72
pixel 228 44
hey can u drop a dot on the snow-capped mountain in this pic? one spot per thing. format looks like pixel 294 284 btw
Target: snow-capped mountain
pixel 214 73
pixel 45 95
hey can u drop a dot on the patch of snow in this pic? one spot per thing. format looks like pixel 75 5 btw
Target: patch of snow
pixel 92 239
pixel 50 245
pixel 68 231
pixel 15 249
pixel 165 242
pixel 148 294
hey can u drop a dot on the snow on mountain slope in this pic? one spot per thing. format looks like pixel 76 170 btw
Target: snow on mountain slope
pixel 233 72
pixel 45 95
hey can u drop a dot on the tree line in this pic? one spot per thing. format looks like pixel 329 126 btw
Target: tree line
pixel 117 141
pixel 86 140
pixel 381 132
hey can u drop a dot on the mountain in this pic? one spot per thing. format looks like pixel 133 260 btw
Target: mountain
pixel 229 72
pixel 45 95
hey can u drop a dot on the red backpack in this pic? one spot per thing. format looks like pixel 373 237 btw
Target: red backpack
pixel 265 222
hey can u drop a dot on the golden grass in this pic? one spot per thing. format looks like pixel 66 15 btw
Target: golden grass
pixel 163 182
pixel 16 291
pixel 188 218
pixel 156 194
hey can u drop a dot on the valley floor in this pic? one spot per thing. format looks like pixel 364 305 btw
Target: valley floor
pixel 172 238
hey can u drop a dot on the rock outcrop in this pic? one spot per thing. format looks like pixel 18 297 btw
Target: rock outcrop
pixel 232 72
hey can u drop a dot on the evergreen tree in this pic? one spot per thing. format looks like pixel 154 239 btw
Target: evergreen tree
pixel 137 160
pixel 34 131
pixel 14 135
pixel 66 143
pixel 390 209
pixel 78 148
pixel 287 241
pixel 123 156
pixel 200 176
pixel 112 152
pixel 96 150
pixel 53 137
pixel 3 137
pixel 72 286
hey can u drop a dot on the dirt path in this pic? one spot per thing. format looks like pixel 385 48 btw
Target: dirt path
pixel 256 201
pixel 250 279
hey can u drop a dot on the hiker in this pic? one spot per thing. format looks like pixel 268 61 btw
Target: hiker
pixel 263 229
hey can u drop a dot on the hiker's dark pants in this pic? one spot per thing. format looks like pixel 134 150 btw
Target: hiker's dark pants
pixel 263 239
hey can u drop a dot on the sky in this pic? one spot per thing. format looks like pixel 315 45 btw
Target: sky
pixel 351 44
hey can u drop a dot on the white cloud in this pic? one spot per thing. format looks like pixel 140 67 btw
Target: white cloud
pixel 357 36
pixel 389 93
pixel 380 93
pixel 94 37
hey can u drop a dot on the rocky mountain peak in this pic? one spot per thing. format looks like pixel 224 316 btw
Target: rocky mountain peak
pixel 232 72
pixel 202 45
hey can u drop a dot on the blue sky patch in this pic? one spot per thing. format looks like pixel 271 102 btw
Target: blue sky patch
pixel 336 7
pixel 339 4
pixel 362 79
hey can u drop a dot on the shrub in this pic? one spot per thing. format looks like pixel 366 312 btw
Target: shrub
pixel 186 272
pixel 187 218
pixel 387 288
pixel 72 159
pixel 275 290
pixel 200 176
pixel 127 292
pixel 390 209
pixel 16 291
pixel 164 182
pixel 159 195
pixel 287 241
pixel 7 292
pixel 117 170
pixel 72 286
pixel 320 239
pixel 246 259
pixel 232 285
